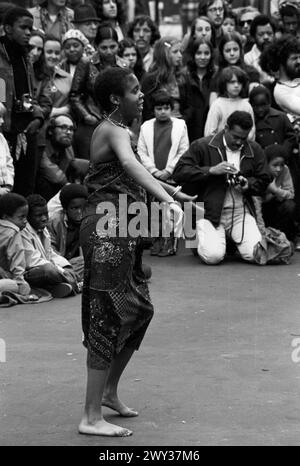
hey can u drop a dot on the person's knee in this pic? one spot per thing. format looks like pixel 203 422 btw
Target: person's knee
pixel 51 273
pixel 213 257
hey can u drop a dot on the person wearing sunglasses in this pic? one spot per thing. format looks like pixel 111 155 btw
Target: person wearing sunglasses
pixel 246 17
pixel 58 165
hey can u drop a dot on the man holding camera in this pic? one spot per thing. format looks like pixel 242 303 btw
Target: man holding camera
pixel 225 170
pixel 23 117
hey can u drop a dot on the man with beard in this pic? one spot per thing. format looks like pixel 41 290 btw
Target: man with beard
pixel 145 33
pixel 58 164
pixel 283 58
pixel 262 31
pixel 214 10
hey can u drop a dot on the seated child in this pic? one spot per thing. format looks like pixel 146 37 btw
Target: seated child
pixel 7 171
pixel 44 267
pixel 64 226
pixel 161 143
pixel 13 218
pixel 278 206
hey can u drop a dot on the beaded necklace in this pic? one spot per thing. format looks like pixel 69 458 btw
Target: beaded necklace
pixel 114 122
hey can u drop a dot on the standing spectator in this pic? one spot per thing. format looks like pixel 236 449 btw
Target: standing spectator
pixel 145 33
pixel 53 17
pixel 87 22
pixel 161 143
pixel 197 87
pixel 113 12
pixel 131 54
pixel 82 101
pixel 262 31
pixel 201 28
pixel 231 53
pixel 44 267
pixel 230 22
pixel 58 164
pixel 58 80
pixel 7 171
pixel 165 73
pixel 246 17
pixel 214 10
pixel 24 117
pixel 233 88
pixel 73 43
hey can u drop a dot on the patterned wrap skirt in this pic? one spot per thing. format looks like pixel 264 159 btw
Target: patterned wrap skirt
pixel 116 306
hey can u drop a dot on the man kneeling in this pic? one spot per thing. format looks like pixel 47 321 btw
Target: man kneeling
pixel 225 170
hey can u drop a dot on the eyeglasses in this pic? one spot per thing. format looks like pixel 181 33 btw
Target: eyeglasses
pixel 219 9
pixel 247 21
pixel 65 128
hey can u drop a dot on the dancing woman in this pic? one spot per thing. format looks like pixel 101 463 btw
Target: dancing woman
pixel 116 307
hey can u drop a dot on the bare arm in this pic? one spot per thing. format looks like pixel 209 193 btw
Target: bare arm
pixel 119 141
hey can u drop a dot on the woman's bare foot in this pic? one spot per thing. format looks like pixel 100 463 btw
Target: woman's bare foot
pixel 102 428
pixel 117 405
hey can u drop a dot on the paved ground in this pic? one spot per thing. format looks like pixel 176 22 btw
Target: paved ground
pixel 215 367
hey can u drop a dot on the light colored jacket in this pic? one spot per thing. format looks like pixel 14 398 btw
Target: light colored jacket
pixel 180 143
pixel 7 171
pixel 12 258
pixel 39 251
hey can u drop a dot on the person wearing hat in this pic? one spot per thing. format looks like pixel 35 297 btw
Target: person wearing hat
pixel 53 17
pixel 87 22
pixel 64 226
pixel 82 101
pixel 73 43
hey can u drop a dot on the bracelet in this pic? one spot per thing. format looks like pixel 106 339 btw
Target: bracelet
pixel 176 191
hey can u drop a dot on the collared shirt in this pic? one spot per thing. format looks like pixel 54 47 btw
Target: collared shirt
pixel 252 58
pixel 233 197
pixel 148 59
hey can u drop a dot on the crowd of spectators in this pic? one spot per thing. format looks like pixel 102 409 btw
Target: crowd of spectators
pixel 236 57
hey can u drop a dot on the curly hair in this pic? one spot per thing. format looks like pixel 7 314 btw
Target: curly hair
pixel 113 80
pixel 121 14
pixel 139 21
pixel 278 52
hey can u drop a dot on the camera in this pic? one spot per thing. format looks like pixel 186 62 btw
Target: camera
pixel 24 105
pixel 235 179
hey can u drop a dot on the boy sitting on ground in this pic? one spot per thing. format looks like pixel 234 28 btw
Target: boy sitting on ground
pixel 13 218
pixel 64 226
pixel 44 267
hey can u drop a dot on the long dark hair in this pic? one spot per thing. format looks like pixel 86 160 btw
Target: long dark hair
pixel 191 64
pixel 230 37
pixel 121 14
pixel 139 66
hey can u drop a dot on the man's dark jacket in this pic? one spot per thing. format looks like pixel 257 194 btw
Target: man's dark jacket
pixel 192 172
